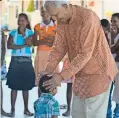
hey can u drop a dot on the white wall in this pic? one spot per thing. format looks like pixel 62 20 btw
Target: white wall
pixel 101 7
pixel 12 20
pixel 111 5
pixel 35 18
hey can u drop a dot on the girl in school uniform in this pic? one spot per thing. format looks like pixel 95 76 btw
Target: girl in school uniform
pixel 44 34
pixel 21 75
pixel 115 52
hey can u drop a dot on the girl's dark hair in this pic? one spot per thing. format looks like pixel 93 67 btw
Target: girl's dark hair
pixel 104 22
pixel 26 17
pixel 115 15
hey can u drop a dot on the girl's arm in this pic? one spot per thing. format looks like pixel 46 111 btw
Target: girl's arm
pixel 3 48
pixel 34 39
pixel 115 47
pixel 37 42
pixel 108 36
pixel 10 44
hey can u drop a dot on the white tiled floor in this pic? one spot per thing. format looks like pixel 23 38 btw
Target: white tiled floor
pixel 61 97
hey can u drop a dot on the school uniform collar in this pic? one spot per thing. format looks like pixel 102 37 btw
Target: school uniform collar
pixel 50 24
pixel 26 32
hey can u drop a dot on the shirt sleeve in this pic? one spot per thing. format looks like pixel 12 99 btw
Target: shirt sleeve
pixel 55 109
pixel 58 51
pixel 12 32
pixel 31 32
pixel 37 28
pixel 87 39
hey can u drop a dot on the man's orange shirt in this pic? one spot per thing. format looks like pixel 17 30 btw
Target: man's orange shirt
pixel 44 30
pixel 91 61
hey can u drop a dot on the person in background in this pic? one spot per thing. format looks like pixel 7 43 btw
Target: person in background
pixel 45 31
pixel 106 27
pixel 115 52
pixel 69 88
pixel 107 30
pixel 46 106
pixel 80 34
pixel 21 75
pixel 3 68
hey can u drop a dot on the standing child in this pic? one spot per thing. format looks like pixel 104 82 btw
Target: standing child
pixel 46 106
pixel 21 75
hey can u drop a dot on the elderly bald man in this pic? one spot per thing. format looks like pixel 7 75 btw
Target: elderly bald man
pixel 79 33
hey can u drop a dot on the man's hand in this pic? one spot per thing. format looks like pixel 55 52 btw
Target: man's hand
pixel 40 75
pixel 44 73
pixel 54 82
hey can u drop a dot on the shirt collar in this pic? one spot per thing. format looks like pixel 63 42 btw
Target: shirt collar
pixel 74 12
pixel 47 94
pixel 50 24
pixel 26 33
pixel 26 30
